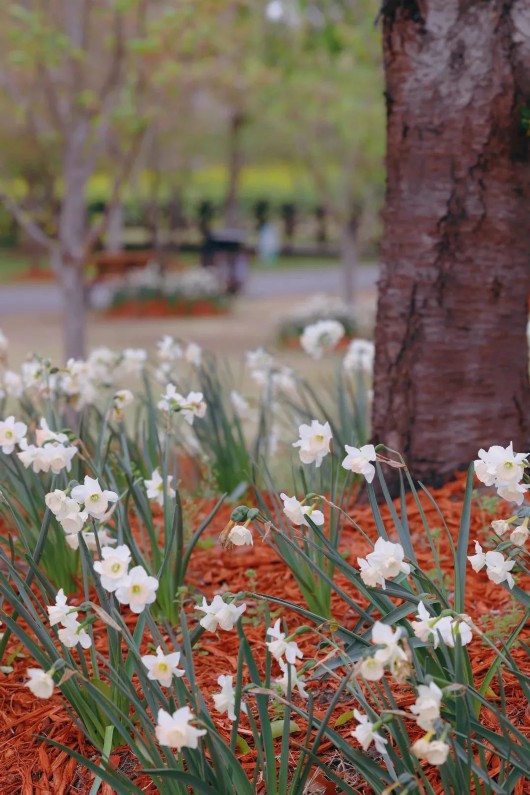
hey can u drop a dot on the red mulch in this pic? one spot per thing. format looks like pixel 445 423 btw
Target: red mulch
pixel 29 767
pixel 159 307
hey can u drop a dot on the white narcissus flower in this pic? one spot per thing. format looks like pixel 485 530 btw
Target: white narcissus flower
pixel 162 667
pixel 45 434
pixel 321 337
pixel 279 647
pixel 385 562
pixel 225 701
pixel 365 734
pixel 500 526
pixel 240 536
pixel 435 752
pixel 95 499
pixel 513 492
pixel 519 535
pixel 427 705
pixel 191 406
pixel 193 354
pixel 194 406
pixel 383 635
pixel 56 501
pixel 176 731
pixel 137 589
pixel 297 682
pixel 293 509
pixel 73 522
pixel 11 434
pixel 498 568
pixel 40 683
pixel 259 359
pixel 168 350
pixel 478 560
pixel 284 380
pixel 72 633
pixel 358 460
pixel 113 566
pixel 500 465
pixel 51 457
pixel 359 357
pixel 297 513
pixel 133 361
pixel 104 539
pixel 314 442
pixel 446 628
pixel 11 384
pixel 123 398
pixel 61 610
pixel 371 669
pixel 155 488
pixel 220 613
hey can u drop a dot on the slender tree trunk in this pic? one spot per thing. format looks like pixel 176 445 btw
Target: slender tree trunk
pixel 451 369
pixel 114 236
pixel 69 258
pixel 74 309
pixel 235 166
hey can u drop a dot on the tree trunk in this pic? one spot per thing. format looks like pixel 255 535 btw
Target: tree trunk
pixel 451 371
pixel 70 276
pixel 114 236
pixel 69 258
pixel 235 165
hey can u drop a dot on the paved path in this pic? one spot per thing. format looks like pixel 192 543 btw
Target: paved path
pixel 46 298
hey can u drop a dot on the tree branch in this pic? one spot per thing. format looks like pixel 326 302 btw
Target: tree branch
pixel 101 226
pixel 29 226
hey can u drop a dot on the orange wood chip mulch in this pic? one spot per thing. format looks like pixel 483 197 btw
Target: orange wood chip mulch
pixel 30 767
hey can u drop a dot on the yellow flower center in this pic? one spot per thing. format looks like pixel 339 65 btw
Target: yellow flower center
pixel 136 589
pixel 94 497
pixel 116 567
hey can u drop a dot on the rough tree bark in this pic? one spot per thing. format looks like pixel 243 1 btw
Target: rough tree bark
pixel 451 371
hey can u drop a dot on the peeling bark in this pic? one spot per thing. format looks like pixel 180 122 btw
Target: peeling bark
pixel 451 369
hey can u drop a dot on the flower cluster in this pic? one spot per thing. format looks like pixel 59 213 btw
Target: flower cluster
pixel 384 563
pixel 133 587
pixel 436 628
pixel 73 510
pixel 518 533
pixel 281 647
pixel 359 357
pixel 219 613
pixel 72 631
pixel 501 467
pixel 391 654
pixel 498 568
pixel 321 337
pixel 297 512
pixel 191 406
pixel 50 453
pixel 170 352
